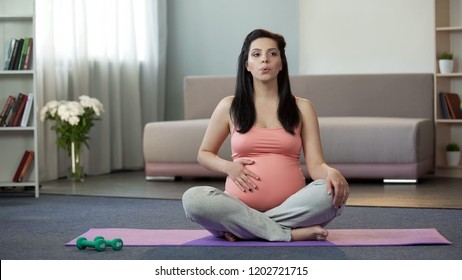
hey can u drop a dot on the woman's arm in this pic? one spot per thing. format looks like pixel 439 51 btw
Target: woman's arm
pixel 218 129
pixel 314 157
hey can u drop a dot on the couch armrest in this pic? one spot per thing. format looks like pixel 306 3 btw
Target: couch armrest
pixel 177 141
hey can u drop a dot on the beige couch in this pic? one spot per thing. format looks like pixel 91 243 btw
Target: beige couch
pixel 373 126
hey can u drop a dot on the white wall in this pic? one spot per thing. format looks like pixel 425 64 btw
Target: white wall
pixel 206 36
pixel 366 36
pixel 323 37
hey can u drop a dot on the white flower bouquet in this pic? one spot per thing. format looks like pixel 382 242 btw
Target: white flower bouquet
pixel 73 120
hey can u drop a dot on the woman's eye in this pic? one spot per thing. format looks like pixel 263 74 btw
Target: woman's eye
pixel 255 54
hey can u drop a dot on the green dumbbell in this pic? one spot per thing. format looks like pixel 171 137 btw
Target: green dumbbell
pixel 83 243
pixel 117 244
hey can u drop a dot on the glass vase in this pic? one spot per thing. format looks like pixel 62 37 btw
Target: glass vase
pixel 75 171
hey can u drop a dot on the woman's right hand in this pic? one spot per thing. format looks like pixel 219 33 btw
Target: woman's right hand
pixel 241 175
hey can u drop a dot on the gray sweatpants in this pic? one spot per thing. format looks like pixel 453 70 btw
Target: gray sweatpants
pixel 220 212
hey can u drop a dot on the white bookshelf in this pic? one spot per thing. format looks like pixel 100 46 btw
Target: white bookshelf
pixel 448 38
pixel 17 21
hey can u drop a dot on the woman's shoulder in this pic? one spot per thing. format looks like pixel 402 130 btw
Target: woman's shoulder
pixel 304 104
pixel 307 110
pixel 225 103
pixel 227 100
pixel 223 107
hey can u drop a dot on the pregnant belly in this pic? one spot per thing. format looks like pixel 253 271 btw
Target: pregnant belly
pixel 280 177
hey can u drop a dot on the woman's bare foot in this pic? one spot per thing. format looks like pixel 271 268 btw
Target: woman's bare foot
pixel 230 237
pixel 309 233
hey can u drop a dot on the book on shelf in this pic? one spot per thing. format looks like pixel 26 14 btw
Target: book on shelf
pixel 450 105
pixel 20 166
pixel 453 103
pixel 6 109
pixel 22 56
pixel 16 54
pixel 27 110
pixel 444 106
pixel 27 164
pixel 13 108
pixel 15 111
pixel 28 59
pixel 22 100
pixel 19 54
pixel 9 53
pixel 13 54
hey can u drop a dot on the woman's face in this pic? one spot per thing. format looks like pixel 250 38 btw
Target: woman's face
pixel 264 60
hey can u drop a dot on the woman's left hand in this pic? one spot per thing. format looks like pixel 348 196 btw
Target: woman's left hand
pixel 337 185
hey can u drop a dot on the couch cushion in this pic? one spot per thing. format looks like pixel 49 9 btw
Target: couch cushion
pixel 368 95
pixel 376 140
pixel 361 147
pixel 344 140
pixel 360 95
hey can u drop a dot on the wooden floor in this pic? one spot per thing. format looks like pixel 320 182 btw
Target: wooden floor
pixel 429 192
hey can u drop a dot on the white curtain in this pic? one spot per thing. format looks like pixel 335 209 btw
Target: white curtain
pixel 112 50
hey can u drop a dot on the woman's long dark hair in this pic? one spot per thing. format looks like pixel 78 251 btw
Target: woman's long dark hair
pixel 243 111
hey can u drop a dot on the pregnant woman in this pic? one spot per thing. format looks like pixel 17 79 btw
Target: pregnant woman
pixel 266 196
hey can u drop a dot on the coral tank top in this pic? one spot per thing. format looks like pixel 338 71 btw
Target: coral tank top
pixel 276 154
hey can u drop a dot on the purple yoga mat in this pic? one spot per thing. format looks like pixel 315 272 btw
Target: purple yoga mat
pixel 337 237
